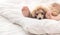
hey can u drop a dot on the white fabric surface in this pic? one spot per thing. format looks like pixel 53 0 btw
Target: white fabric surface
pixel 8 28
pixel 11 10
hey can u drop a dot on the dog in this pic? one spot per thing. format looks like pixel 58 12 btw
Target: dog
pixel 39 13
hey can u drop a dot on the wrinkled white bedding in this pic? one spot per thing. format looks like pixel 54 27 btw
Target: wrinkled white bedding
pixel 8 28
pixel 10 13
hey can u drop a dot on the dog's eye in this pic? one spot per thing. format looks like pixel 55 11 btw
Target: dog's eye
pixel 36 13
pixel 42 13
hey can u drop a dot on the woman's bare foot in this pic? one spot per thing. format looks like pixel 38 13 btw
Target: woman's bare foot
pixel 50 16
pixel 57 12
pixel 56 6
pixel 26 11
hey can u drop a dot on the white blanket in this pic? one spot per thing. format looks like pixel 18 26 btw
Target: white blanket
pixel 11 10
pixel 8 28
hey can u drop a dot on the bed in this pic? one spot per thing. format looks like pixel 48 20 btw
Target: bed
pixel 11 11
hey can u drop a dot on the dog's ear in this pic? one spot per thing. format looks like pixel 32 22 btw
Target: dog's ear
pixel 33 14
pixel 45 9
pixel 26 11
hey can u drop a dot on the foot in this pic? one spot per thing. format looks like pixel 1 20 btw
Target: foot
pixel 26 11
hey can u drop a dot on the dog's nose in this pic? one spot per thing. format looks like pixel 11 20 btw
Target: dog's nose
pixel 39 18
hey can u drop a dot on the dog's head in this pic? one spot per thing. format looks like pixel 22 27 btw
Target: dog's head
pixel 39 13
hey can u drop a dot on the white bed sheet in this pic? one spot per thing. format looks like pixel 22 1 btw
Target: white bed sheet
pixel 8 28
